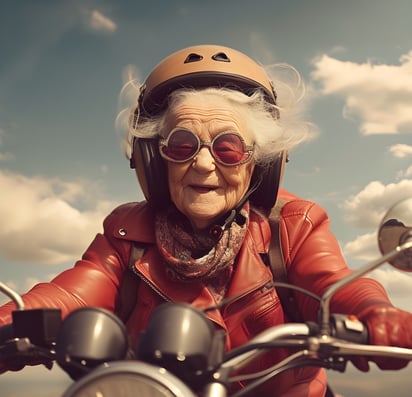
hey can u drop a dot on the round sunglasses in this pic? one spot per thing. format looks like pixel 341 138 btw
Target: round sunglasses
pixel 227 148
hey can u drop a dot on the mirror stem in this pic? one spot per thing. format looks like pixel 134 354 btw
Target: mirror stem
pixel 14 296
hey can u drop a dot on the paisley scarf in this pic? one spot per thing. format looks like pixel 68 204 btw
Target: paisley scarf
pixel 193 255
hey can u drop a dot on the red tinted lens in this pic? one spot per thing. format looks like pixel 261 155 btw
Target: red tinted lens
pixel 181 146
pixel 229 149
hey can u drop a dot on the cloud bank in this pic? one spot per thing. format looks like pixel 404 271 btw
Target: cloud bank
pixel 378 95
pixel 47 221
pixel 401 150
pixel 366 208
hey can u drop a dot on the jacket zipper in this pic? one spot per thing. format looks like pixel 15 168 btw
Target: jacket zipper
pixel 150 284
pixel 265 287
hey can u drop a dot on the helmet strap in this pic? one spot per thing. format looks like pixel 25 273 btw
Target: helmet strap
pixel 216 231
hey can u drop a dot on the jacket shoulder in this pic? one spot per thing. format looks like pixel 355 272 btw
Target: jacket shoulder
pixel 303 223
pixel 300 219
pixel 131 221
pixel 298 210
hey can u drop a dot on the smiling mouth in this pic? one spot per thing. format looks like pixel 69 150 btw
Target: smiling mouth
pixel 203 189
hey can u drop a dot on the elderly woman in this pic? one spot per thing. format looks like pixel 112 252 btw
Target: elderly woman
pixel 208 142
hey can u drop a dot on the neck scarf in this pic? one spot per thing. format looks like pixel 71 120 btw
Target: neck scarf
pixel 192 255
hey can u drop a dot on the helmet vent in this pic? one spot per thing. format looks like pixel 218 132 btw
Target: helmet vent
pixel 221 57
pixel 193 58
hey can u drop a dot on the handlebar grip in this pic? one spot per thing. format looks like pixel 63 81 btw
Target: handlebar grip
pixel 349 328
pixel 41 326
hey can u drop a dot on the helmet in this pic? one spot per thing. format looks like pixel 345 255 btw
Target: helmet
pixel 199 67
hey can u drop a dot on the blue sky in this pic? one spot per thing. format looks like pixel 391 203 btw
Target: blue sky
pixel 61 166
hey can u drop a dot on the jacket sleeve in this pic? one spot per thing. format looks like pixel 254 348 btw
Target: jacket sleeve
pixel 93 281
pixel 314 261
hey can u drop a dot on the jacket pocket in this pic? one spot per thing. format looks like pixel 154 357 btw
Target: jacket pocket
pixel 266 312
pixel 253 314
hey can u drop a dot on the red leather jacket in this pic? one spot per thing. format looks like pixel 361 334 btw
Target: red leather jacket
pixel 312 256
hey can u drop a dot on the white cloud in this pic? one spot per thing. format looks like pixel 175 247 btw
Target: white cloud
pixel 408 171
pixel 364 247
pixel 100 22
pixel 402 174
pixel 338 50
pixel 379 96
pixel 367 208
pixel 401 150
pixel 397 284
pixel 41 219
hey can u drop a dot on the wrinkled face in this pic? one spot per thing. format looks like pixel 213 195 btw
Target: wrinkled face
pixel 201 188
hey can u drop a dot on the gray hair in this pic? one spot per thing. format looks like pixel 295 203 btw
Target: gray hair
pixel 271 134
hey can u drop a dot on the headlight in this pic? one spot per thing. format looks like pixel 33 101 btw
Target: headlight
pixel 129 379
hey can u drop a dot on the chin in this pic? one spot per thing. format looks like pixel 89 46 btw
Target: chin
pixel 202 221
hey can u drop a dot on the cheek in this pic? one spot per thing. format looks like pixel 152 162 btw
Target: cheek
pixel 247 173
pixel 175 175
pixel 238 181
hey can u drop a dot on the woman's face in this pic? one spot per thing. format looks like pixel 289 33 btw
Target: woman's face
pixel 201 188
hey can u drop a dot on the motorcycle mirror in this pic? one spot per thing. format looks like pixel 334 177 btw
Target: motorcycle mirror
pixel 396 229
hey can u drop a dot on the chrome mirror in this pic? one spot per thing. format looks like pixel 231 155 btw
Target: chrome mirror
pixel 394 231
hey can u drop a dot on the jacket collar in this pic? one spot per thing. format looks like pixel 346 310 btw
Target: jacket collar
pixel 133 222
pixel 250 274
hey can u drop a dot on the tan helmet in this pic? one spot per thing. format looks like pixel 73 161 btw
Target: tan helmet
pixel 202 66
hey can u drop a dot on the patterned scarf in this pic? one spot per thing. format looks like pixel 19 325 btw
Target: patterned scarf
pixel 193 255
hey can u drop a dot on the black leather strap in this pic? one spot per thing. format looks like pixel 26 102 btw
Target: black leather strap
pixel 129 285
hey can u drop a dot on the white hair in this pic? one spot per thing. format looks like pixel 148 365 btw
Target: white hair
pixel 271 134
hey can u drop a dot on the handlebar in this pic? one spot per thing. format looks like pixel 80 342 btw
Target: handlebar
pixel 302 336
pixel 314 349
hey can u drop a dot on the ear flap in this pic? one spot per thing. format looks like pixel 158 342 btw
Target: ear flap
pixel 151 171
pixel 270 178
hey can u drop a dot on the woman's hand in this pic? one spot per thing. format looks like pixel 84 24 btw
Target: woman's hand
pixel 387 326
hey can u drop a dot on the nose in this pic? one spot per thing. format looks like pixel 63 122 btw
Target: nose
pixel 204 160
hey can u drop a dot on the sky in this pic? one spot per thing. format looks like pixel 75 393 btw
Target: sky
pixel 62 65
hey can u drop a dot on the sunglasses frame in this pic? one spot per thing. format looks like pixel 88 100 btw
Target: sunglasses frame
pixel 247 149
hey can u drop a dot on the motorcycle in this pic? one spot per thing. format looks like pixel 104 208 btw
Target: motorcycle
pixel 180 354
